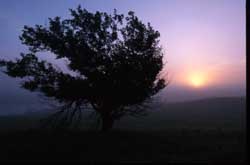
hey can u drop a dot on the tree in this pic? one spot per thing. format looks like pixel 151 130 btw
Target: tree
pixel 117 61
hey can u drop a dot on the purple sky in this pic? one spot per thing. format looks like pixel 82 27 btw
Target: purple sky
pixel 202 39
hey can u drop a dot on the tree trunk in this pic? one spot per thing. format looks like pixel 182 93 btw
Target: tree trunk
pixel 107 122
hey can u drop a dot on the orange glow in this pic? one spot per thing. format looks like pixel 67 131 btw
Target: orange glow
pixel 197 80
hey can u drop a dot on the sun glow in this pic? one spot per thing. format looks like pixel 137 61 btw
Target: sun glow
pixel 197 80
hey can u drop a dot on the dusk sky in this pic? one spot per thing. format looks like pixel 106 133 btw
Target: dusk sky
pixel 203 40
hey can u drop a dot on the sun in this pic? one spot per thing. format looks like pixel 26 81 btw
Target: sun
pixel 197 80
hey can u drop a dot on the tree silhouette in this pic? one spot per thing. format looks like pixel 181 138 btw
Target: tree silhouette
pixel 117 61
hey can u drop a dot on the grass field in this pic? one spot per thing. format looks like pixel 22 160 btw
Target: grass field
pixel 128 146
pixel 202 131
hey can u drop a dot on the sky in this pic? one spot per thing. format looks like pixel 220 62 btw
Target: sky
pixel 203 40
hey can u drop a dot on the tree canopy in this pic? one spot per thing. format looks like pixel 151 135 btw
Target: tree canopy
pixel 117 60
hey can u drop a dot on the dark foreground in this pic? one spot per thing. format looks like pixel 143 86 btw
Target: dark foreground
pixel 125 146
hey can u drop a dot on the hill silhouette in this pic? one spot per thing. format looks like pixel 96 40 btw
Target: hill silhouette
pixel 210 113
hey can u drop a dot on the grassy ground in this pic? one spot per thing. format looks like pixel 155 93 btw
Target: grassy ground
pixel 207 131
pixel 124 146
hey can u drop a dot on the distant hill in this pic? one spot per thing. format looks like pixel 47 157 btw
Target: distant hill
pixel 215 113
pixel 211 113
